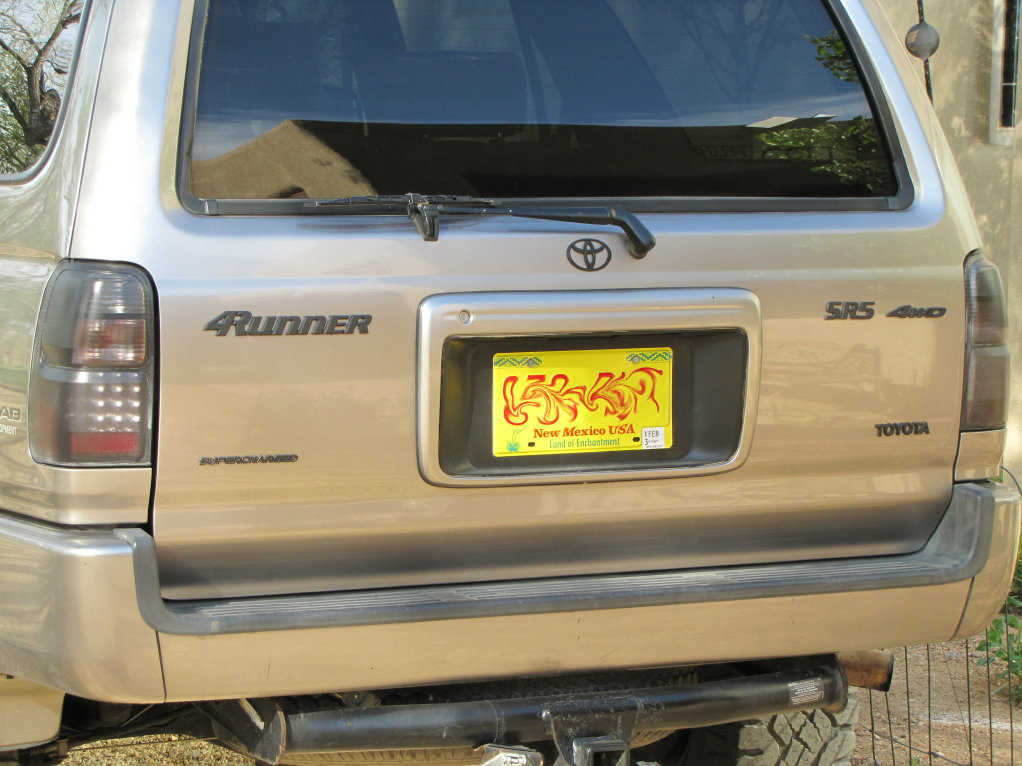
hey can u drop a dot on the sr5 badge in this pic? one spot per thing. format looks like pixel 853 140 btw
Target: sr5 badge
pixel 850 310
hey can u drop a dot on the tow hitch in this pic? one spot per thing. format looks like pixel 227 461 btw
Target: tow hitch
pixel 590 729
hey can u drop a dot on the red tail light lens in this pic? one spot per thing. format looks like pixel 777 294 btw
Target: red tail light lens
pixel 92 382
pixel 985 399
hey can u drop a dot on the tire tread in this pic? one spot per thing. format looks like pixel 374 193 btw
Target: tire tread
pixel 816 738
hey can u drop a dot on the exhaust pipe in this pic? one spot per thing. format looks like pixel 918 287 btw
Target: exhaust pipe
pixel 262 730
pixel 871 669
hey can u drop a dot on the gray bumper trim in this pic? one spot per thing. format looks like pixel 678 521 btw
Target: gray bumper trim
pixel 956 551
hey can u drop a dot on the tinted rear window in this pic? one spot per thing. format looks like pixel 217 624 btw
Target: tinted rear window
pixel 531 99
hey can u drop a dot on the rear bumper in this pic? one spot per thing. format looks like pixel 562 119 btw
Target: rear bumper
pixel 81 611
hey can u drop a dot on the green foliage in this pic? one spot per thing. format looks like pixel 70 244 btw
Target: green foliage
pixel 1003 643
pixel 850 150
pixel 832 52
pixel 1016 581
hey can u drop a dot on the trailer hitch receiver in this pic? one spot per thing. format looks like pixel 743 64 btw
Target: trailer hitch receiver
pixel 588 736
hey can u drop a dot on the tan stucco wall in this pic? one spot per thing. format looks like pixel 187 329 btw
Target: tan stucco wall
pixel 961 90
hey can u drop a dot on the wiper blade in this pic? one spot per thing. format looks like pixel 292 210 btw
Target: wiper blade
pixel 402 200
pixel 425 210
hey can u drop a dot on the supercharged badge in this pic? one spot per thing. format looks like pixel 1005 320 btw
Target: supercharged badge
pixel 245 323
pixel 248 459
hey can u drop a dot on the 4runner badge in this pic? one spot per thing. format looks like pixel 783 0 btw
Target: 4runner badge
pixel 244 323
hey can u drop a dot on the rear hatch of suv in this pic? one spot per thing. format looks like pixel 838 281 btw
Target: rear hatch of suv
pixel 399 346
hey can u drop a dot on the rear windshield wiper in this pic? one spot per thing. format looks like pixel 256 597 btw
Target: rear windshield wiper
pixel 424 210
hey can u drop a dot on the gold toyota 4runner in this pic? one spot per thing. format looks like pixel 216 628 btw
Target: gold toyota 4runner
pixel 483 381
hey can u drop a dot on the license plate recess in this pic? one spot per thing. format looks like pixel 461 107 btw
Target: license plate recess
pixel 557 404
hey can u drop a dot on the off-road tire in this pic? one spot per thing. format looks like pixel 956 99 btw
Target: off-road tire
pixel 813 738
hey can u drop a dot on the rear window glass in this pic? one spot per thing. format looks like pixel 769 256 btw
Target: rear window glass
pixel 531 99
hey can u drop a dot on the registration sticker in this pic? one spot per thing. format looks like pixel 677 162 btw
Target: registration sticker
pixel 593 400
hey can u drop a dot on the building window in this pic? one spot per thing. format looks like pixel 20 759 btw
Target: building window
pixel 1009 64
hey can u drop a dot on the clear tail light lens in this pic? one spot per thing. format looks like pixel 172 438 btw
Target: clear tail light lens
pixel 985 399
pixel 91 396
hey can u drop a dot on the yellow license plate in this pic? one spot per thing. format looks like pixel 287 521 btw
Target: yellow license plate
pixel 596 400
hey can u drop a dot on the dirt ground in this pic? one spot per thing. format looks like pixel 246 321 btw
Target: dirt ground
pixel 945 685
pixel 932 712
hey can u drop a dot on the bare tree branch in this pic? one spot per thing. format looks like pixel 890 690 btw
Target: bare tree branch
pixel 5 95
pixel 72 15
pixel 21 28
pixel 35 58
pixel 43 101
pixel 17 56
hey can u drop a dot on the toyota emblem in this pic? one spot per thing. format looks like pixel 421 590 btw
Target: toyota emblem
pixel 589 254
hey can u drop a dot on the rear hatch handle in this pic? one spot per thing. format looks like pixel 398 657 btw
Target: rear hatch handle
pixel 425 210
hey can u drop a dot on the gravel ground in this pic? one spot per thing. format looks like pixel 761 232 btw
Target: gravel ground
pixel 155 751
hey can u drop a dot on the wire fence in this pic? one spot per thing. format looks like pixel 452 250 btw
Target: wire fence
pixel 949 703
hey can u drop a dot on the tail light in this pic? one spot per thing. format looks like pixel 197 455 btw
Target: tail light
pixel 985 398
pixel 91 396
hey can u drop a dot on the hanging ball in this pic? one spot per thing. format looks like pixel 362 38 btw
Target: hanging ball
pixel 922 41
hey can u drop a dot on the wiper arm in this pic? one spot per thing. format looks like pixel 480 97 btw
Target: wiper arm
pixel 640 239
pixel 425 210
